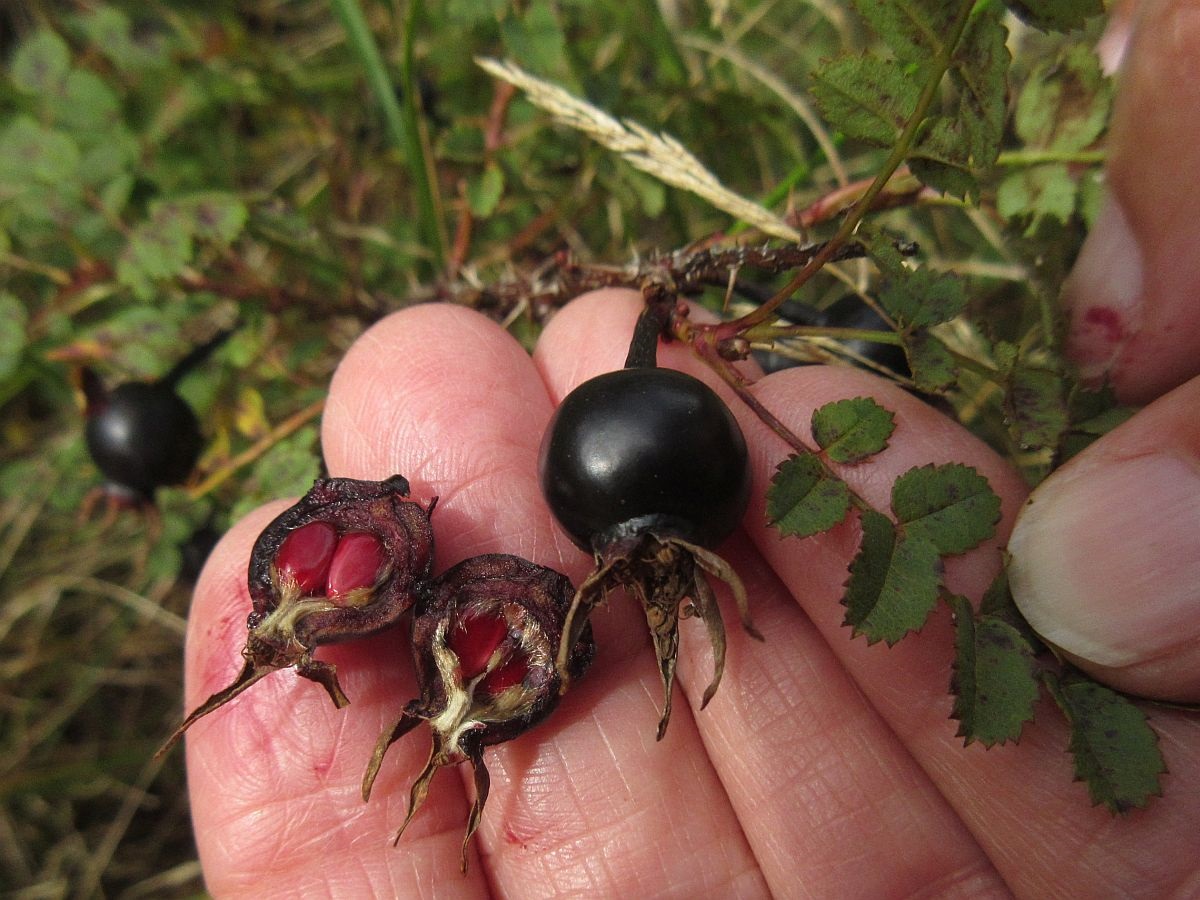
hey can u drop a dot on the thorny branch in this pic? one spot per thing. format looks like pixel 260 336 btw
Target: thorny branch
pixel 684 272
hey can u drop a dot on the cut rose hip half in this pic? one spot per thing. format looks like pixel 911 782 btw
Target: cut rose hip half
pixel 346 561
pixel 484 644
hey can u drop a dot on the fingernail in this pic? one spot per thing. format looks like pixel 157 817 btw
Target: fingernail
pixel 1106 559
pixel 1114 42
pixel 1103 294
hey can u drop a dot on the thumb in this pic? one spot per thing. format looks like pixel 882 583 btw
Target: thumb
pixel 1106 553
pixel 1131 300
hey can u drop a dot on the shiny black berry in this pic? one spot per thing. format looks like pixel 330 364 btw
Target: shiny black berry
pixel 142 436
pixel 644 448
pixel 647 468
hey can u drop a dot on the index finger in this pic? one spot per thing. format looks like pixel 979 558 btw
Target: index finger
pixel 1132 295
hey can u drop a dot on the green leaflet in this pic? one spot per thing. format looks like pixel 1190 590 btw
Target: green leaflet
pixel 894 581
pixel 1062 109
pixel 920 297
pixel 957 147
pixel 1066 102
pixel 160 247
pixel 873 98
pixel 40 65
pixel 952 506
pixel 31 152
pixel 994 684
pixel 908 27
pixel 917 299
pixel 1115 749
pixel 1041 192
pixel 933 368
pixel 866 97
pixel 850 431
pixel 1035 403
pixel 804 499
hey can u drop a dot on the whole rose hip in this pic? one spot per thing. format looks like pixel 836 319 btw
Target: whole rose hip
pixel 646 468
pixel 142 435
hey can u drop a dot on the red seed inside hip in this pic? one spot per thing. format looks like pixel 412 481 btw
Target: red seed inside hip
pixel 356 563
pixel 305 556
pixel 474 639
pixel 511 672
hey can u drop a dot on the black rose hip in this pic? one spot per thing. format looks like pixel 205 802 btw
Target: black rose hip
pixel 143 435
pixel 646 468
pixel 346 561
pixel 485 643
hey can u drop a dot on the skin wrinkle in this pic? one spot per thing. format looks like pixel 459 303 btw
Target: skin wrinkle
pixel 277 855
pixel 541 815
pixel 788 707
pixel 627 821
pixel 971 882
pixel 477 502
pixel 555 862
pixel 1187 886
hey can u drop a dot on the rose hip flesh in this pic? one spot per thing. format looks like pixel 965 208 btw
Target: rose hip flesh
pixel 474 639
pixel 500 679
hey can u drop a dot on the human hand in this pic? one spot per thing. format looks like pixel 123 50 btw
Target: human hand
pixel 822 766
pixel 1106 557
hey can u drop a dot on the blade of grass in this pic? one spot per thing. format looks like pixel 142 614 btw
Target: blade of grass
pixel 401 121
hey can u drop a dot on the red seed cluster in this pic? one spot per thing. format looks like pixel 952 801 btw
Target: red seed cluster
pixel 354 554
pixel 305 555
pixel 322 563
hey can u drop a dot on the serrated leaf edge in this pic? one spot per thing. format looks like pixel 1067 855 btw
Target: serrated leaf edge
pixel 963 612
pixel 1054 687
pixel 859 457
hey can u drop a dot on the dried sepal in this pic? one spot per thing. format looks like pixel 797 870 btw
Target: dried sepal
pixel 346 561
pixel 484 642
pixel 666 575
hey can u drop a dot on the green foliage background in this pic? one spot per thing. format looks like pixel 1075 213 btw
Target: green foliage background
pixel 169 169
